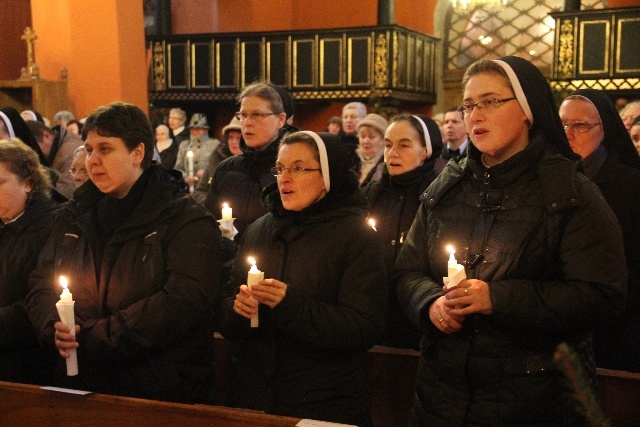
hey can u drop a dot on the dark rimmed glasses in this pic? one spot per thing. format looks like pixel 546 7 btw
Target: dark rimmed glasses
pixel 487 104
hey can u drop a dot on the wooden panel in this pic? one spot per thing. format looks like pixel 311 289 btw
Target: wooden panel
pixel 359 61
pixel 252 68
pixel 594 47
pixel 628 48
pixel 177 65
pixel 201 65
pixel 330 62
pixel 278 62
pixel 303 63
pixel 226 65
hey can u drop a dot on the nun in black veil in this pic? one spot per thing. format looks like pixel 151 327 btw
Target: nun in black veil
pixel 596 132
pixel 542 253
pixel 12 125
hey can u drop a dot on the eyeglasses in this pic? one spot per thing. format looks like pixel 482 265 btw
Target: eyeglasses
pixel 74 171
pixel 295 170
pixel 579 126
pixel 487 104
pixel 255 116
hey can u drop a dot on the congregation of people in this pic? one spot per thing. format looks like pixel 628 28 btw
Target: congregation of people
pixel 349 228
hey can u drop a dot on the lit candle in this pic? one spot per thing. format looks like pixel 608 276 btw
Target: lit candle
pixel 455 271
pixel 253 277
pixel 65 311
pixel 226 211
pixel 190 163
pixel 372 223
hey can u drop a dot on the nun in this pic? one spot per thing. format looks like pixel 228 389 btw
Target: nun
pixel 322 304
pixel 12 125
pixel 543 258
pixel 596 132
pixel 412 143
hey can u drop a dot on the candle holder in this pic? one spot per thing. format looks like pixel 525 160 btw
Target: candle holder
pixel 227 228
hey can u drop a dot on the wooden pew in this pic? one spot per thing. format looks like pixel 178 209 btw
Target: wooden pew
pixel 28 405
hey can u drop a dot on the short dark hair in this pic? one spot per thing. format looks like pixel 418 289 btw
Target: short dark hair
pixel 124 121
pixel 38 129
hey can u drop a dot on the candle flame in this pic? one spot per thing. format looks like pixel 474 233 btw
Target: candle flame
pixel 189 153
pixel 64 282
pixel 251 260
pixel 451 249
pixel 372 223
pixel 225 206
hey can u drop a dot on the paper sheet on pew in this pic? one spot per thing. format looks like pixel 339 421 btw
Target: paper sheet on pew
pixel 67 390
pixel 316 423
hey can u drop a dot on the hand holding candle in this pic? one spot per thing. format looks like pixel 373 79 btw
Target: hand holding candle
pixel 253 277
pixel 455 271
pixel 67 317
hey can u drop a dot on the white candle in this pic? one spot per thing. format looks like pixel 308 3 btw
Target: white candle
pixel 253 277
pixel 67 317
pixel 226 211
pixel 455 271
pixel 190 163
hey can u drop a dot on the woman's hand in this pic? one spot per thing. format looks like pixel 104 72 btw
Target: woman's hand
pixel 64 340
pixel 470 296
pixel 269 292
pixel 244 305
pixel 442 317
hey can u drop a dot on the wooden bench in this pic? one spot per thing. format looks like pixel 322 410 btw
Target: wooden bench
pixel 28 405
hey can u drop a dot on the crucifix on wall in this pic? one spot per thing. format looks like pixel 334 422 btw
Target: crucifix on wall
pixel 32 69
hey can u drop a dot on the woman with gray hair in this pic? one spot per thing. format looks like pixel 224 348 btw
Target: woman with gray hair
pixel 26 215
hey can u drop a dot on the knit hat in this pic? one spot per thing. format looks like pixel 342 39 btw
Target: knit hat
pixel 287 100
pixel 199 120
pixel 616 136
pixel 234 124
pixel 375 121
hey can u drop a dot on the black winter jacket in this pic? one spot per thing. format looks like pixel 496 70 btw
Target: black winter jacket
pixel 308 356
pixel 545 241
pixel 393 203
pixel 617 346
pixel 21 357
pixel 146 312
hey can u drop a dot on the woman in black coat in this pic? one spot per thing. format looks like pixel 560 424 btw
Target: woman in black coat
pixel 412 143
pixel 143 264
pixel 26 214
pixel 323 302
pixel 596 132
pixel 542 254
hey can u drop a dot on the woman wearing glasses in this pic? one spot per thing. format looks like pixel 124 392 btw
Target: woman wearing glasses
pixel 542 255
pixel 412 143
pixel 596 132
pixel 323 301
pixel 240 179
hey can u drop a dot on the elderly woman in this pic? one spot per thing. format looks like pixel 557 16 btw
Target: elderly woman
pixel 323 302
pixel 412 143
pixel 542 253
pixel 142 262
pixel 596 132
pixel 371 146
pixel 78 167
pixel 26 214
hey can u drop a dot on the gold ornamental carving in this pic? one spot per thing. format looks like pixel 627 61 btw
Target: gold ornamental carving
pixel 32 71
pixel 381 67
pixel 565 49
pixel 159 80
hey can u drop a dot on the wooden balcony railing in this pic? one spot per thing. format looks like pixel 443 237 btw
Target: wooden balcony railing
pixel 366 63
pixel 597 49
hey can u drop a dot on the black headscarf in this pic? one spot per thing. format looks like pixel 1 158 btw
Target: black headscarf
pixel 434 134
pixel 616 136
pixel 342 182
pixel 18 128
pixel 536 100
pixel 288 103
